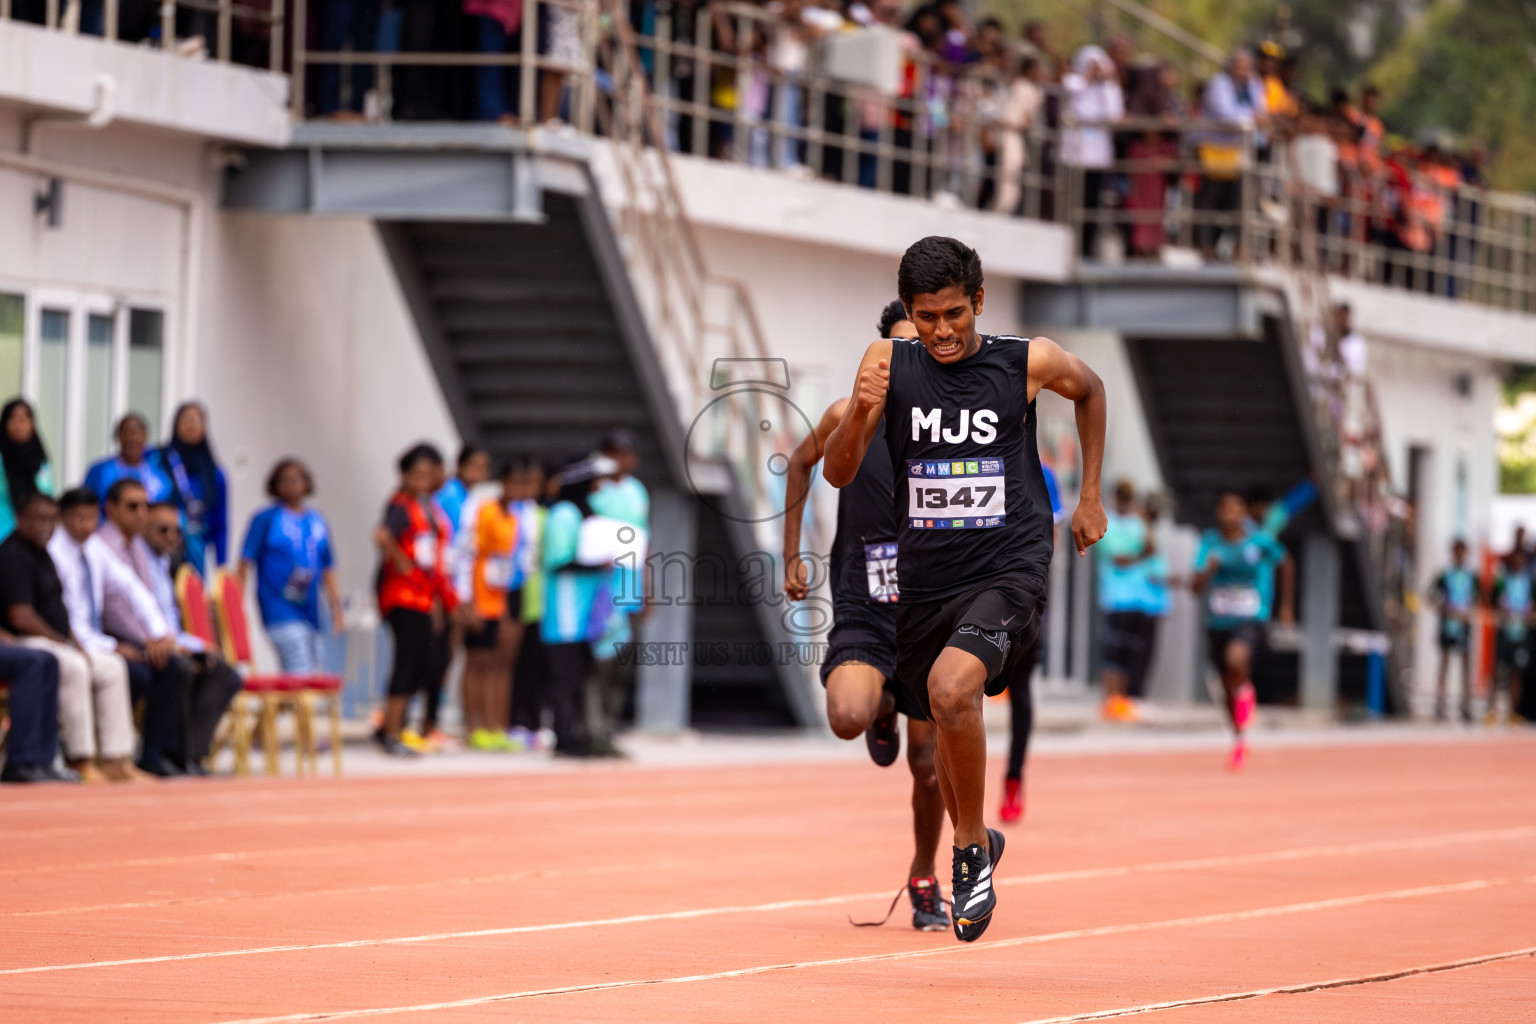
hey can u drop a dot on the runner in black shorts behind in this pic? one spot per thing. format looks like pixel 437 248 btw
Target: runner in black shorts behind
pixel 860 668
pixel 958 413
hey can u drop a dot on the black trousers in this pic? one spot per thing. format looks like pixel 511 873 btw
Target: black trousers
pixel 1021 702
pixel 569 666
pixel 209 685
pixel 421 660
pixel 163 740
pixel 34 704
pixel 530 681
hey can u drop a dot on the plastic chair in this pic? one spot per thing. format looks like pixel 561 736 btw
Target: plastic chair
pixel 298 694
pixel 238 727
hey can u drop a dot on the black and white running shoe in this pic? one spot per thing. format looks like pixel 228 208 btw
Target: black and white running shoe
pixel 928 913
pixel 974 899
pixel 883 738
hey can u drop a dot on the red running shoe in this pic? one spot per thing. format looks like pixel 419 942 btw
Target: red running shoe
pixel 1013 801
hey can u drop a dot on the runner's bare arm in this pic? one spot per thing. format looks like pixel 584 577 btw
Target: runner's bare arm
pixel 1286 613
pixel 1051 368
pixel 797 487
pixel 847 444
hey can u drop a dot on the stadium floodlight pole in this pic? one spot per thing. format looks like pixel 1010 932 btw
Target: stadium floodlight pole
pixel 109 23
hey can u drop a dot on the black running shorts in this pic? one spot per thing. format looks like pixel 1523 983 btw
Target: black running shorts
pixel 1250 633
pixel 999 622
pixel 483 636
pixel 866 635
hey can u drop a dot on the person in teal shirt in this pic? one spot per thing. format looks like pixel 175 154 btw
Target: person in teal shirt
pixel 1119 554
pixel 578 599
pixel 24 460
pixel 1511 600
pixel 1231 566
pixel 132 460
pixel 1454 595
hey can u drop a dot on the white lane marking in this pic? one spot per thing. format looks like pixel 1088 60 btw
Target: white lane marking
pixel 1311 986
pixel 1225 917
pixel 1055 876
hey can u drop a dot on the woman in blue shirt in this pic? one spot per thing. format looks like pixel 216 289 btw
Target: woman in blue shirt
pixel 288 545
pixel 198 487
pixel 24 460
pixel 130 461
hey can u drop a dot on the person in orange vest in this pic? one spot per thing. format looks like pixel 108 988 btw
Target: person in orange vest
pixel 416 593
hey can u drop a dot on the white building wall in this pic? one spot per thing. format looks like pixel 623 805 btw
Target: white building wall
pixel 307 349
pixel 1420 393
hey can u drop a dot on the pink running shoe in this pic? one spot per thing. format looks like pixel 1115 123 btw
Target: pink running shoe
pixel 1243 706
pixel 1239 756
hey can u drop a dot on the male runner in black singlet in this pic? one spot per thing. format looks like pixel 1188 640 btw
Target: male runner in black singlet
pixel 976 532
pixel 859 671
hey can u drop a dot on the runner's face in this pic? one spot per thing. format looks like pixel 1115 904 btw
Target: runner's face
pixel 1231 514
pixel 904 329
pixel 476 469
pixel 946 322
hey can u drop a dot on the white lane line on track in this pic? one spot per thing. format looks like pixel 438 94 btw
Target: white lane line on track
pixel 1232 860
pixel 1226 917
pixel 1079 874
pixel 1301 989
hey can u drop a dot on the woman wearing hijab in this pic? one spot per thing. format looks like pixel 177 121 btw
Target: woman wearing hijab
pixel 198 487
pixel 25 461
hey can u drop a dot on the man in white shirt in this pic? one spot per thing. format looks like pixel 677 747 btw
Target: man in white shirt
pixel 90 575
pixel 208 683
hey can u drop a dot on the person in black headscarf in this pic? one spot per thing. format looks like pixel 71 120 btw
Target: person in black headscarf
pixel 25 460
pixel 198 486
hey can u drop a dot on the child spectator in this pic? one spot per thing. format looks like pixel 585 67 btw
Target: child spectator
pixel 288 547
pixel 1511 601
pixel 1454 595
pixel 415 595
pixel 482 579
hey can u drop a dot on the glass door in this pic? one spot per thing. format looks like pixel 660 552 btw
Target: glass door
pixel 50 393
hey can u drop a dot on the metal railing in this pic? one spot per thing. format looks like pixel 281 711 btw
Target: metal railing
pixel 220 23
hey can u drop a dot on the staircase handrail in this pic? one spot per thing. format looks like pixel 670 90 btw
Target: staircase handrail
pixel 653 222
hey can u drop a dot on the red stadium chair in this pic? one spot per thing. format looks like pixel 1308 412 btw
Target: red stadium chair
pixel 273 694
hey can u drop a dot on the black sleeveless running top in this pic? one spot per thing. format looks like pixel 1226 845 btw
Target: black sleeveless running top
pixel 969 493
pixel 863 552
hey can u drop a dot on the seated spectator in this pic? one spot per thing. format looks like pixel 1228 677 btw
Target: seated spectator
pixel 95 709
pixel 288 547
pixel 198 486
pixel 32 743
pixel 208 684
pixel 130 462
pixel 92 577
pixel 24 460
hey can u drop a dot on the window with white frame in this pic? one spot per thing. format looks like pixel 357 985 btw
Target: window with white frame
pixel 83 360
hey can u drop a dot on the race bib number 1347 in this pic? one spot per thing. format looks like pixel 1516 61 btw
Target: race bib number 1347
pixel 962 494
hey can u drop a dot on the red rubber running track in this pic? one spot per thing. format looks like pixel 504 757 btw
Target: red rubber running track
pixel 1376 882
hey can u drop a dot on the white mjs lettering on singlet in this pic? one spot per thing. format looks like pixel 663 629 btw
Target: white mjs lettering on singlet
pixel 982 426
